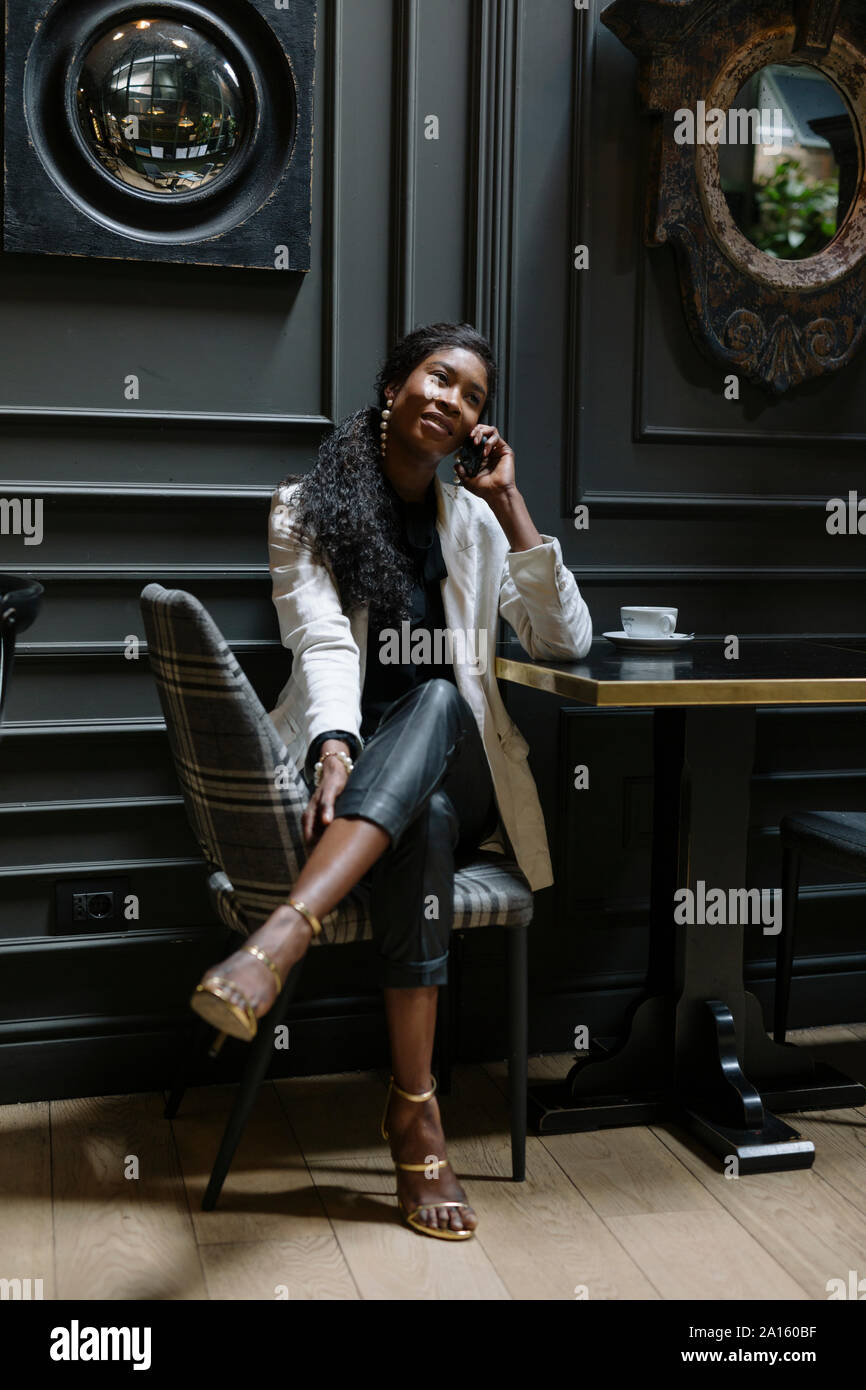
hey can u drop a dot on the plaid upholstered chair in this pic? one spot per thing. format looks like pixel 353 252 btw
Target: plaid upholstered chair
pixel 247 820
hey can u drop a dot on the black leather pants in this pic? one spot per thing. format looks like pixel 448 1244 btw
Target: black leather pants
pixel 423 776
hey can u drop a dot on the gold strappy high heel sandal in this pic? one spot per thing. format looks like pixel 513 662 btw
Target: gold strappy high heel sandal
pixel 410 1217
pixel 211 1002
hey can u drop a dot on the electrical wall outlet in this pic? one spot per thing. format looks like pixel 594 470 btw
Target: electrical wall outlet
pixel 90 905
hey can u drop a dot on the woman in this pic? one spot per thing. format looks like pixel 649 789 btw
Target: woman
pixel 393 714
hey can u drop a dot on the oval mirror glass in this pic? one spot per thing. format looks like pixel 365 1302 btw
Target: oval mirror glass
pixel 790 163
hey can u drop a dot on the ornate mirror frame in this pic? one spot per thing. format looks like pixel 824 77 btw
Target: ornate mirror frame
pixel 778 322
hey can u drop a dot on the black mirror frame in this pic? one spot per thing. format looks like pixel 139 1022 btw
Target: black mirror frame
pixel 56 202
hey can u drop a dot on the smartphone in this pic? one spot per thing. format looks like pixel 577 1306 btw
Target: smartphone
pixel 472 457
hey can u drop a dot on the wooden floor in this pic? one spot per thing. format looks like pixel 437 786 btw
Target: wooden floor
pixel 308 1210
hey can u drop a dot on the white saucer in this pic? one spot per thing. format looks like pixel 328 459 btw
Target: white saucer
pixel 649 644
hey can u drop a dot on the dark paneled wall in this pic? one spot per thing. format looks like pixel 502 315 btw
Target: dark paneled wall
pixel 716 506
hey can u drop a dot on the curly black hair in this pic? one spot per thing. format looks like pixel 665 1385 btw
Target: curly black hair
pixel 343 507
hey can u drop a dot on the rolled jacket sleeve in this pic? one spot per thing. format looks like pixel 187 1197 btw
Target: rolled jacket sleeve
pixel 539 598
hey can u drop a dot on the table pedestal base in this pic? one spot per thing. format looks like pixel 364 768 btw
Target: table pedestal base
pixel 635 1084
pixel 697 1051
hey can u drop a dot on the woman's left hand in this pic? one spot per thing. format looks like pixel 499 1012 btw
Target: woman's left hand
pixel 497 475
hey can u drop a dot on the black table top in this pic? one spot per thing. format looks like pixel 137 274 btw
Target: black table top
pixel 770 672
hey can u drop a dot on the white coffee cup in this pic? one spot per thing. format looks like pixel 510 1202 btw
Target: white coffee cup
pixel 649 622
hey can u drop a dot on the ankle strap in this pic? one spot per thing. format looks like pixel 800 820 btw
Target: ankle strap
pixel 408 1095
pixel 266 960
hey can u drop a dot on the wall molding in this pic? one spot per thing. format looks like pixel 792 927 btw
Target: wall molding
pixel 101 867
pixel 99 574
pixel 497 26
pixel 791 711
pixel 586 574
pixel 645 433
pixel 84 803
pixel 66 415
pixel 764 711
pixel 95 494
pixel 585 32
pixel 628 503
pixel 822 774
pixel 687 504
pixel 93 942
pixel 404 165
pixel 93 1056
pixel 714 574
pixel 796 439
pixel 331 204
pixel 94 651
pixel 87 728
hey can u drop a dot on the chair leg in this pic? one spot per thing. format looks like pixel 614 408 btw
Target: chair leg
pixel 518 1046
pixel 785 948
pixel 262 1051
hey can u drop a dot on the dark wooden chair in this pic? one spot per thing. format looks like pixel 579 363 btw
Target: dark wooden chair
pixel 835 838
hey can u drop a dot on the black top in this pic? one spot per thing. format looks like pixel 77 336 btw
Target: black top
pixel 385 682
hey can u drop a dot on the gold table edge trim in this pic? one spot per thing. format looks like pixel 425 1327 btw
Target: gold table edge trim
pixel 781 691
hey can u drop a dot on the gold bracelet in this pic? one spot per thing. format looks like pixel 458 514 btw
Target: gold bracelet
pixel 305 912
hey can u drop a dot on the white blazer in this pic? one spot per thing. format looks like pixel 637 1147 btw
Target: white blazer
pixel 532 589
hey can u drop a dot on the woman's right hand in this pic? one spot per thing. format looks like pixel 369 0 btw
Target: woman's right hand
pixel 320 809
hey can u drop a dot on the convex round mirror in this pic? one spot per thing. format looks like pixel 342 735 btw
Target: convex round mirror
pixel 160 108
pixel 790 165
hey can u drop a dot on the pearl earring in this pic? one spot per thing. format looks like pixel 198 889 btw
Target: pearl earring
pixel 386 417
